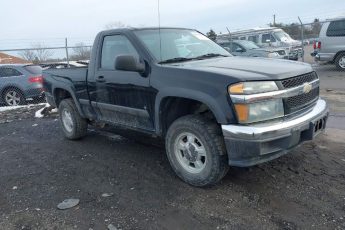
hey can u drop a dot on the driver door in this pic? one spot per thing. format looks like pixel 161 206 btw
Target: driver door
pixel 122 97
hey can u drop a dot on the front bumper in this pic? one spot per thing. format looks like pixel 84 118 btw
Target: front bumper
pixel 251 145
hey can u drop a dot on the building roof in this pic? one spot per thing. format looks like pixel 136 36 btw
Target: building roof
pixel 9 59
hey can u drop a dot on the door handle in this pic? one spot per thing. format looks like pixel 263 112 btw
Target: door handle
pixel 100 79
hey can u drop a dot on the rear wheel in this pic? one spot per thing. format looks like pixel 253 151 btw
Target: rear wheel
pixel 13 97
pixel 73 125
pixel 196 150
pixel 340 61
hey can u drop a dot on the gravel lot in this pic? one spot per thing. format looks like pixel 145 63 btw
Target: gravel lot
pixel 39 168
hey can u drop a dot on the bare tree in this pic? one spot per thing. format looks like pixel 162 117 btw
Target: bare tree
pixel 81 52
pixel 316 26
pixel 115 24
pixel 42 54
pixel 28 55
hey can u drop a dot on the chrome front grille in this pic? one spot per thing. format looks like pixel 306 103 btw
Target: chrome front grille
pixel 298 102
pixel 295 103
pixel 299 80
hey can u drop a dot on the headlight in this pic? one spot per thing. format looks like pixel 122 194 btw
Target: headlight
pixel 273 54
pixel 260 111
pixel 249 112
pixel 252 87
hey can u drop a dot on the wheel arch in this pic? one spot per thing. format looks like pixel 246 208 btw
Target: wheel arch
pixel 60 94
pixel 337 54
pixel 5 88
pixel 187 102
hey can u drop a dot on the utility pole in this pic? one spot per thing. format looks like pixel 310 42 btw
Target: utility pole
pixel 302 38
pixel 274 20
pixel 67 57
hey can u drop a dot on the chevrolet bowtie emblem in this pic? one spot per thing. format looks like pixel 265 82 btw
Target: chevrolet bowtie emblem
pixel 307 87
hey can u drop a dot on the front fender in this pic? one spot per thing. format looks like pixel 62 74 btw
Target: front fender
pixel 218 107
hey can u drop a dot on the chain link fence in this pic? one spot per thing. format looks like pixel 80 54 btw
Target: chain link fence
pixel 21 70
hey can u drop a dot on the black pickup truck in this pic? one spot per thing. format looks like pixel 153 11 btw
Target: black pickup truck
pixel 213 110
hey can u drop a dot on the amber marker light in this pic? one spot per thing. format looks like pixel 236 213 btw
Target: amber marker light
pixel 236 88
pixel 242 112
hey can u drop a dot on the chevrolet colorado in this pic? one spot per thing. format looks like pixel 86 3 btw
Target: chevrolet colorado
pixel 213 110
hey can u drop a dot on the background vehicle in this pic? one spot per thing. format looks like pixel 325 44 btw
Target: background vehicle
pixel 19 83
pixel 212 109
pixel 64 64
pixel 250 49
pixel 330 45
pixel 269 37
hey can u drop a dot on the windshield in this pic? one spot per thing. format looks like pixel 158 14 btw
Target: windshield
pixel 179 44
pixel 248 45
pixel 282 36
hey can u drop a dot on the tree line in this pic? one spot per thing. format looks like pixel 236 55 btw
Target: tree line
pixel 40 53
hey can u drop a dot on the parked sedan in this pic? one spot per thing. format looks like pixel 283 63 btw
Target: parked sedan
pixel 19 82
pixel 250 49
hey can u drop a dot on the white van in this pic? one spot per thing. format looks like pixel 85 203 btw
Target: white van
pixel 271 36
pixel 331 43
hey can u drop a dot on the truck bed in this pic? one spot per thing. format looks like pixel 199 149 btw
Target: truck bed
pixel 71 79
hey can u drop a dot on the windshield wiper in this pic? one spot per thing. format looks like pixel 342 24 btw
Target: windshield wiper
pixel 177 59
pixel 182 59
pixel 210 55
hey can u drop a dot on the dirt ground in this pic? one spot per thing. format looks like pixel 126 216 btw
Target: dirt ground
pixel 39 168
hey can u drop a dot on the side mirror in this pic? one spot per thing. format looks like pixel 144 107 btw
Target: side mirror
pixel 239 50
pixel 128 63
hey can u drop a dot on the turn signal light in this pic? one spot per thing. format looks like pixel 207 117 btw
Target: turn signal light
pixel 236 88
pixel 242 112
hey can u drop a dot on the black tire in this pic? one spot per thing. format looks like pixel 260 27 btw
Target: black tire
pixel 78 125
pixel 18 92
pixel 210 135
pixel 337 61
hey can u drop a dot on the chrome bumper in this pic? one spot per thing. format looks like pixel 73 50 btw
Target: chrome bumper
pixel 324 57
pixel 251 145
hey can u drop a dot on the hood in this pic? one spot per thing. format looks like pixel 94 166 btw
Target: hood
pixel 292 42
pixel 247 68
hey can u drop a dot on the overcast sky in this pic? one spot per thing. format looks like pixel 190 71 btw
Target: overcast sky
pixel 25 21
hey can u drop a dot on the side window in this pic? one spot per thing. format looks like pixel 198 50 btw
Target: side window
pixel 336 28
pixel 235 47
pixel 253 38
pixel 266 37
pixel 242 38
pixel 9 72
pixel 113 46
pixel 273 39
pixel 225 45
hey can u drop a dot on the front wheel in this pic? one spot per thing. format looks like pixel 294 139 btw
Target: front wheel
pixel 340 61
pixel 73 125
pixel 196 150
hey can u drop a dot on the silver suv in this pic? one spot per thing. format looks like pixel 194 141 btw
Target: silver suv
pixel 19 82
pixel 331 43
